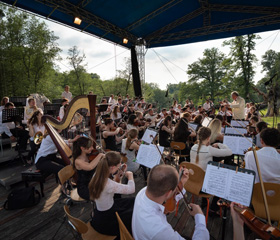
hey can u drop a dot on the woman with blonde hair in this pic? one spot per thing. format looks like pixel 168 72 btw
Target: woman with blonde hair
pixel 130 146
pixel 102 189
pixel 203 152
pixel 216 127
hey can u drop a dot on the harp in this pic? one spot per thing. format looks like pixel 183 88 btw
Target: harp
pixel 78 102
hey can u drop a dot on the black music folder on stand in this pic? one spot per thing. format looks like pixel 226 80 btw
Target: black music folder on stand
pixel 18 101
pixel 229 182
pixel 12 115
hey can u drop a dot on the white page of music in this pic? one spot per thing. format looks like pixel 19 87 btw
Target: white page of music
pixel 148 155
pixel 147 136
pixel 237 144
pixel 228 184
pixel 236 130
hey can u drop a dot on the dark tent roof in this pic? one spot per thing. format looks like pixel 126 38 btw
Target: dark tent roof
pixel 160 22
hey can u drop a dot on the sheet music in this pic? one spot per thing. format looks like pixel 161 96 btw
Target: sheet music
pixel 148 155
pixel 193 126
pixel 147 135
pixel 236 130
pixel 237 144
pixel 229 184
pixel 236 123
pixel 206 121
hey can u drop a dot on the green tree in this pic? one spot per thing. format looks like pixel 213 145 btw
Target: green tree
pixel 210 72
pixel 78 74
pixel 242 61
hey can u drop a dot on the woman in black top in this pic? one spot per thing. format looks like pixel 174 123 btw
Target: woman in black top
pixel 182 134
pixel 165 131
pixel 110 137
pixel 85 169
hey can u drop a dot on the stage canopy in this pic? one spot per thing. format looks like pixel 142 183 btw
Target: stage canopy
pixel 158 23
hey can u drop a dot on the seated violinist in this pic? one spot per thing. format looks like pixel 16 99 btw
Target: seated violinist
pixel 259 127
pixel 268 157
pixel 163 113
pixel 149 220
pixel 102 189
pixel 252 125
pixel 150 115
pixel 85 168
pixel 110 135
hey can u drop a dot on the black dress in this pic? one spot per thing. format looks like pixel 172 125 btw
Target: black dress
pixel 186 151
pixel 84 178
pixel 163 137
pixel 111 143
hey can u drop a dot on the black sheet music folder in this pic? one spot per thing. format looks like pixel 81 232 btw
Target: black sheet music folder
pixel 12 115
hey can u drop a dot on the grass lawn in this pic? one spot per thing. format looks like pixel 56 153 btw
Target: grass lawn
pixel 269 120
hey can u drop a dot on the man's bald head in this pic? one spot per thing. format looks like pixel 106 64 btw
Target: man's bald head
pixel 162 178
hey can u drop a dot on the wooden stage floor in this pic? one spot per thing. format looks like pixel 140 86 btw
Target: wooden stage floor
pixel 43 220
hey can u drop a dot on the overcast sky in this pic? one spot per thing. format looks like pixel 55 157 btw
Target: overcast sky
pixel 104 58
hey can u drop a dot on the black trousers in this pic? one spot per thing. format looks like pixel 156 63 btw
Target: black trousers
pixel 34 148
pixel 22 136
pixel 50 164
pixel 106 222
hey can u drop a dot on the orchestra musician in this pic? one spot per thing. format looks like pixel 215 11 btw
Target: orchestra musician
pixel 29 109
pixel 116 113
pixel 149 221
pixel 110 135
pixel 130 146
pixel 152 116
pixel 13 129
pixel 203 152
pixel 62 109
pixel 35 125
pixel 85 168
pixel 3 102
pixel 216 135
pixel 67 94
pixel 259 127
pixel 165 131
pixel 102 189
pixel 268 157
pixel 238 106
pixel 182 134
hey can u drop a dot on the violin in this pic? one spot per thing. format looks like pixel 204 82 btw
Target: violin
pixel 265 231
pixel 115 128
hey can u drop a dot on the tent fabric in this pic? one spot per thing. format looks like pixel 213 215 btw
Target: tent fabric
pixel 160 23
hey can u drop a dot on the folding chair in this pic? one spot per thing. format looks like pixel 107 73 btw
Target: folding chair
pixel 124 233
pixel 64 175
pixel 86 231
pixel 272 192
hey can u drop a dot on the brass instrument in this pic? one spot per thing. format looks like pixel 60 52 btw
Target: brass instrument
pixel 38 137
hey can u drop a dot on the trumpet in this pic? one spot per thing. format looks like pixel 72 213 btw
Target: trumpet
pixel 38 137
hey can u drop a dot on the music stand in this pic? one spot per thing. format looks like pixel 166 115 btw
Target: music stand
pixel 18 101
pixel 103 108
pixel 57 101
pixel 12 115
pixel 52 109
pixel 105 97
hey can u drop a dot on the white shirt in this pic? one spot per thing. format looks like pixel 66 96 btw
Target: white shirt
pixel 238 108
pixel 106 199
pixel 5 127
pixel 149 221
pixel 206 106
pixel 38 128
pixel 47 147
pixel 61 113
pixel 67 95
pixel 206 153
pixel 269 161
pixel 112 101
pixel 153 119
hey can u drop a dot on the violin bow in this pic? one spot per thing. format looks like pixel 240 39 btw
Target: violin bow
pixel 184 197
pixel 100 147
pixel 153 137
pixel 260 176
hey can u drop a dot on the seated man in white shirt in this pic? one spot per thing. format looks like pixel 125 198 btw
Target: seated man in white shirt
pixel 149 221
pixel 9 130
pixel 269 158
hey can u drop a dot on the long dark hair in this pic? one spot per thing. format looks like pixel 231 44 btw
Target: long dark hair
pixel 131 119
pixel 165 121
pixel 34 118
pixel 77 151
pixel 181 129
